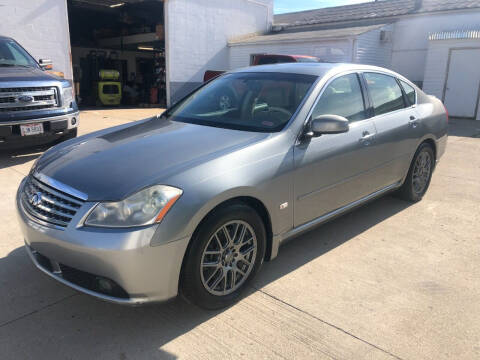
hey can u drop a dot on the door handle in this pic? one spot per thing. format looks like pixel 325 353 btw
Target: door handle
pixel 413 123
pixel 367 138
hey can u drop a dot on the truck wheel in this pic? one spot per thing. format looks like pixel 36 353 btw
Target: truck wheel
pixel 226 253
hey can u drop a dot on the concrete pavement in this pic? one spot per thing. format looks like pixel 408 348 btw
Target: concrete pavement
pixel 389 280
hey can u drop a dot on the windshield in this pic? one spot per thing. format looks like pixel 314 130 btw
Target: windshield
pixel 12 54
pixel 262 102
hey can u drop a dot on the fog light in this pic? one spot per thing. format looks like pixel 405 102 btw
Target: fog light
pixel 104 285
pixel 73 121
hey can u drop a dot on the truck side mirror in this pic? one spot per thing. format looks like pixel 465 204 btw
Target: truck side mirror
pixel 46 64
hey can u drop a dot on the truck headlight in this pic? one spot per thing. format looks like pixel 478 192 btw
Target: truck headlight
pixel 68 96
pixel 145 207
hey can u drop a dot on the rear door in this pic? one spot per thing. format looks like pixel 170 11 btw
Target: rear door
pixel 333 170
pixel 397 124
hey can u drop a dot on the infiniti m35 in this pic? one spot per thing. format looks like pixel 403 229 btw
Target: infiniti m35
pixel 194 200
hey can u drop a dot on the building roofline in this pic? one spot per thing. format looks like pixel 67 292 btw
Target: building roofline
pixel 384 19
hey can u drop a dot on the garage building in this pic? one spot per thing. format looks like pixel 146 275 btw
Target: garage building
pixel 161 49
pixel 152 51
pixel 434 43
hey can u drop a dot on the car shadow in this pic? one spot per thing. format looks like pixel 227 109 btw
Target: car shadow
pixel 464 128
pixel 27 296
pixel 15 157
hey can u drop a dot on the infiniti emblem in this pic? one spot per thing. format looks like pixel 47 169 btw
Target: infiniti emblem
pixel 25 98
pixel 35 199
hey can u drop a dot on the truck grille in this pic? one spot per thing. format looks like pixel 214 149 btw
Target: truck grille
pixel 47 204
pixel 28 98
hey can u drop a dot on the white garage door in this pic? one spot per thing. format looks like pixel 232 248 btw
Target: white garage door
pixel 461 92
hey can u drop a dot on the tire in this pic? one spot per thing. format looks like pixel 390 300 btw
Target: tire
pixel 197 284
pixel 418 178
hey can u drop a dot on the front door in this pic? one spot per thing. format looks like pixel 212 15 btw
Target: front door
pixel 463 82
pixel 336 169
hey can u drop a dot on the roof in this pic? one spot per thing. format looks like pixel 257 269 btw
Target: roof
pixel 306 35
pixel 317 69
pixel 372 10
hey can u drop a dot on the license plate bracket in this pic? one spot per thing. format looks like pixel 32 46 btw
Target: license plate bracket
pixel 31 129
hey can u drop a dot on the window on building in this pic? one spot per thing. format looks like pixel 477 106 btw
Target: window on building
pixel 385 93
pixel 343 97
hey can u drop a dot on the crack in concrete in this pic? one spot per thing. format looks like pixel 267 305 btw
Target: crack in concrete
pixel 329 324
pixel 37 310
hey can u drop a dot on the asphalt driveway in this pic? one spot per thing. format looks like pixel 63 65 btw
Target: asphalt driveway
pixel 389 280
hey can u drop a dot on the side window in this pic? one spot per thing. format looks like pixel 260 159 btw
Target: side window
pixel 385 93
pixel 410 91
pixel 343 97
pixel 19 58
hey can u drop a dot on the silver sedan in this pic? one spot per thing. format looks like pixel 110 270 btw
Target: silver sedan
pixel 194 201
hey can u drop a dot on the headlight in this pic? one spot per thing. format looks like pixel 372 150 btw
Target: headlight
pixel 68 96
pixel 145 207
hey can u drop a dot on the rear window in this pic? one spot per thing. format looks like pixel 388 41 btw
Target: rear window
pixel 385 93
pixel 410 91
pixel 266 60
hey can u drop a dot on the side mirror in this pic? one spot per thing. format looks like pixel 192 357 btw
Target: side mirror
pixel 328 124
pixel 46 64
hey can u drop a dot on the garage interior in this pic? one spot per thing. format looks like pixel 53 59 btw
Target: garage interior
pixel 118 52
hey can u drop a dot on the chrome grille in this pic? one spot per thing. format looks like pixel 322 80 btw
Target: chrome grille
pixel 28 99
pixel 47 204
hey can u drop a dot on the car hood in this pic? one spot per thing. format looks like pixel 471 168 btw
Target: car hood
pixel 114 163
pixel 18 73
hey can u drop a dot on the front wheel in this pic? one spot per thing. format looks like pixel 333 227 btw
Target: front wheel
pixel 226 253
pixel 419 174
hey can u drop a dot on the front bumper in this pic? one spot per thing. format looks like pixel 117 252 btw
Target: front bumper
pixel 80 256
pixel 53 127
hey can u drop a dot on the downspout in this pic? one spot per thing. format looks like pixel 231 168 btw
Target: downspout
pixel 166 50
pixel 353 57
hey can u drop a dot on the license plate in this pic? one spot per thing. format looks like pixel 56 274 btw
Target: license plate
pixel 31 129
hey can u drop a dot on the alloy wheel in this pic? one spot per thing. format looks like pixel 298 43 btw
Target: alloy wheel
pixel 228 258
pixel 421 172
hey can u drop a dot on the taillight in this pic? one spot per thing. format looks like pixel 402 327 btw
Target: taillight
pixel 446 111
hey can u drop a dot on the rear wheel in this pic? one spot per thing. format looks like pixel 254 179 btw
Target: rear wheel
pixel 419 174
pixel 225 255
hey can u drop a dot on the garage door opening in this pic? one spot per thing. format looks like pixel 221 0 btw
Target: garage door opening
pixel 118 52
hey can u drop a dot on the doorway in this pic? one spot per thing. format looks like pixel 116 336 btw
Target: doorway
pixel 109 39
pixel 462 86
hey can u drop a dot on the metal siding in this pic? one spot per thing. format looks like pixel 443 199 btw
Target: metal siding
pixel 436 66
pixel 371 51
pixel 240 55
pixel 410 39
